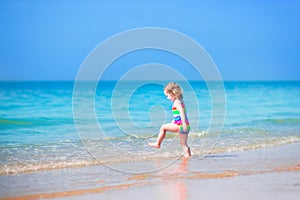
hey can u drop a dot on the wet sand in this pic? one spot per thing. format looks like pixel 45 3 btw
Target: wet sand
pixel 270 173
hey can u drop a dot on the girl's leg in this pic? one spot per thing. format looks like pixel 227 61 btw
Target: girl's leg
pixel 162 133
pixel 183 142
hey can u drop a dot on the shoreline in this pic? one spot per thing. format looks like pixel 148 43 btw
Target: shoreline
pixel 260 172
pixel 94 192
pixel 24 168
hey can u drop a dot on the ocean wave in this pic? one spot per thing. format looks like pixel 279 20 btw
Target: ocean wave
pixel 130 137
pixel 284 121
pixel 42 121
pixel 253 143
pixel 170 150
pixel 4 122
pixel 31 167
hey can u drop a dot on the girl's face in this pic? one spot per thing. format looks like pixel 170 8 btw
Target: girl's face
pixel 169 96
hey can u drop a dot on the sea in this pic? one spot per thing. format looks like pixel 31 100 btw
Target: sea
pixel 48 125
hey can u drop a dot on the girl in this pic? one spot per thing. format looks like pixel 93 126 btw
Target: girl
pixel 180 123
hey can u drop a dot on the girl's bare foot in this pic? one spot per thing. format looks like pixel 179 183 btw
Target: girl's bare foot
pixel 154 144
pixel 187 156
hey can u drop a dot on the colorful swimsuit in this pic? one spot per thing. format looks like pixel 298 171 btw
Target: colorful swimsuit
pixel 177 118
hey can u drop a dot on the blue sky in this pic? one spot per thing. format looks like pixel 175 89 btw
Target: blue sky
pixel 248 40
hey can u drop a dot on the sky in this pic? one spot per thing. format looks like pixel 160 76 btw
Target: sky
pixel 247 40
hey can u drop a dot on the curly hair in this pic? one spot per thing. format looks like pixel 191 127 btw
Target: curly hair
pixel 174 89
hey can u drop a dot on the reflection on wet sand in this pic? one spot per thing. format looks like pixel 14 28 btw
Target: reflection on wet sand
pixel 170 183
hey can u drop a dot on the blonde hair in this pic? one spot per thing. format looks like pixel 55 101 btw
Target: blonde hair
pixel 174 89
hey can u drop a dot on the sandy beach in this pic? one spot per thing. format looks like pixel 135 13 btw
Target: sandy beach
pixel 268 173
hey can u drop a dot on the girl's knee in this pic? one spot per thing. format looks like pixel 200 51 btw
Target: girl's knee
pixel 183 143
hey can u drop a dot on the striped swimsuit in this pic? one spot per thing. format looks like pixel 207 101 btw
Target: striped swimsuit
pixel 177 118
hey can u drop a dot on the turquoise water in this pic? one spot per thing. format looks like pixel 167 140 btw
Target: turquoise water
pixel 38 132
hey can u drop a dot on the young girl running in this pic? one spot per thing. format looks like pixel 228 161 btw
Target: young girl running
pixel 180 123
